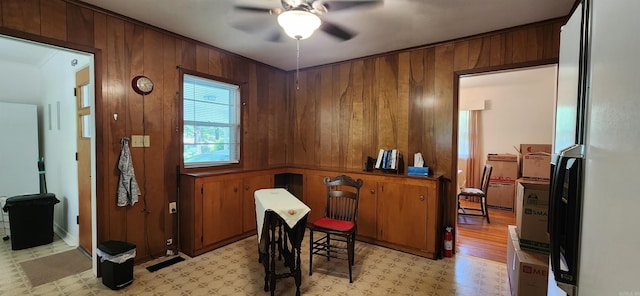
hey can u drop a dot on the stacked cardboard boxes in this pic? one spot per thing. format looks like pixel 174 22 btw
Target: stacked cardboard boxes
pixel 528 271
pixel 501 190
pixel 535 160
pixel 531 214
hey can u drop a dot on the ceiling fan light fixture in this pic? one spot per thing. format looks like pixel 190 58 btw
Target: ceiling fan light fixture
pixel 299 24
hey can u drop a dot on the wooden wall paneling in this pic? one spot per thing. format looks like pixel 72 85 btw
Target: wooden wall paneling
pixel 461 55
pixel 387 94
pixel 202 59
pixel 80 25
pixel 136 122
pixel 304 120
pixel 342 110
pixel 215 63
pixel 187 54
pixel 1 15
pixel 256 127
pixel 370 109
pixel 444 112
pixel 237 68
pixel 534 44
pixel 417 105
pixel 428 149
pixel 497 50
pixel 554 52
pixel 153 160
pixel 479 52
pixel 547 36
pixel 354 153
pixel 402 142
pixel 508 47
pixel 114 100
pixel 519 46
pixel 106 120
pixel 278 116
pixel 54 19
pixel 171 134
pixel 22 15
pixel 327 137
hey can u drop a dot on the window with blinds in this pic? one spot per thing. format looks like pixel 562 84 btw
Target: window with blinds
pixel 211 116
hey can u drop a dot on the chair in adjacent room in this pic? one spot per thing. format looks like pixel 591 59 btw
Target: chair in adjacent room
pixel 480 193
pixel 339 225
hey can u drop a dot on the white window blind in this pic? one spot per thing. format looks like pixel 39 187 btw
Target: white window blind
pixel 211 116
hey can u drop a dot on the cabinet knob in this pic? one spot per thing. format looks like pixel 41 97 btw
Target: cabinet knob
pixel 373 191
pixel 246 188
pixel 421 197
pixel 235 189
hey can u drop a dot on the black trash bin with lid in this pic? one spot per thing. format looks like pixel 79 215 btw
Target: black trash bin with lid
pixel 117 263
pixel 30 219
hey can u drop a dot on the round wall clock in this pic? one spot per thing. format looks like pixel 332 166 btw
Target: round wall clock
pixel 142 85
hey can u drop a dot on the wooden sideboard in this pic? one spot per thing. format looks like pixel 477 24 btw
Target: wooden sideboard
pixel 396 211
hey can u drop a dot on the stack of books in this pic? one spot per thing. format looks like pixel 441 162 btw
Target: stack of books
pixel 388 159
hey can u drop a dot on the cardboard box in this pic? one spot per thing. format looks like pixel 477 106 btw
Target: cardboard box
pixel 535 161
pixel 505 167
pixel 533 148
pixel 531 216
pixel 501 194
pixel 528 271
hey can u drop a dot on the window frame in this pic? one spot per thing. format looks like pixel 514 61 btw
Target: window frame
pixel 221 165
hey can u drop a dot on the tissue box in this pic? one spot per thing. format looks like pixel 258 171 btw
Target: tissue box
pixel 417 171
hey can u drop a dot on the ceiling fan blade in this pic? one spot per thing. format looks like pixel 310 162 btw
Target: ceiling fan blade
pixel 274 36
pixel 336 31
pixel 253 9
pixel 346 4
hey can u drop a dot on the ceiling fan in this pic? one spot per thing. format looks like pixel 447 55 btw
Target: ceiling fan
pixel 300 18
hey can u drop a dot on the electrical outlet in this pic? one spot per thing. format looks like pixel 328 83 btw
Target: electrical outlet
pixel 172 208
pixel 169 241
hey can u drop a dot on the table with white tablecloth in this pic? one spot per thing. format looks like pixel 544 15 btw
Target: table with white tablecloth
pixel 282 221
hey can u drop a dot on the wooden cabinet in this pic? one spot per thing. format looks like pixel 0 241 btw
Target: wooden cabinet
pixel 402 215
pixel 217 209
pixel 221 207
pixel 251 184
pixel 367 208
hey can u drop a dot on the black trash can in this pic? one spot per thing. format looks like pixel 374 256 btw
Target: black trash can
pixel 117 263
pixel 30 219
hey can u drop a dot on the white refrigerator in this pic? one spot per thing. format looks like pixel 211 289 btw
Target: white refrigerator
pixel 594 215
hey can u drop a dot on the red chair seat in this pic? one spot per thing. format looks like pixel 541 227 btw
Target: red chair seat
pixel 329 223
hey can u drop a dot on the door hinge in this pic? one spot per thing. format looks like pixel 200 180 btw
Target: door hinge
pixel 202 239
pixel 382 189
pixel 202 189
pixel 75 91
pixel 76 156
pixel 78 219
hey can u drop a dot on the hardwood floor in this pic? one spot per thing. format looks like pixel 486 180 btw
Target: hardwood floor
pixel 475 237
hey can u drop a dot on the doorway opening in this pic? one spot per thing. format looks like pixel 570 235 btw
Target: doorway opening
pixel 497 112
pixel 45 76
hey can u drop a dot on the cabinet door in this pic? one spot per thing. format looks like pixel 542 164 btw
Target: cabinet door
pixel 315 196
pixel 367 206
pixel 249 205
pixel 221 210
pixel 402 214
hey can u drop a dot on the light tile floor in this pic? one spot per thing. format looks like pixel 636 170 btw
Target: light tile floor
pixel 234 270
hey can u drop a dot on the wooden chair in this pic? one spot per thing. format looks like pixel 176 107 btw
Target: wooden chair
pixel 480 193
pixel 339 223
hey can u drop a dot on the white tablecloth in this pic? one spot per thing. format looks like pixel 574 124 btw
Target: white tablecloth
pixel 280 201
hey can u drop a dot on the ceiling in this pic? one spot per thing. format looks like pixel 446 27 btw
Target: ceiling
pixel 390 25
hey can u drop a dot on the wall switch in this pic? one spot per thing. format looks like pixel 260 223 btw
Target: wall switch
pixel 172 208
pixel 146 141
pixel 137 141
